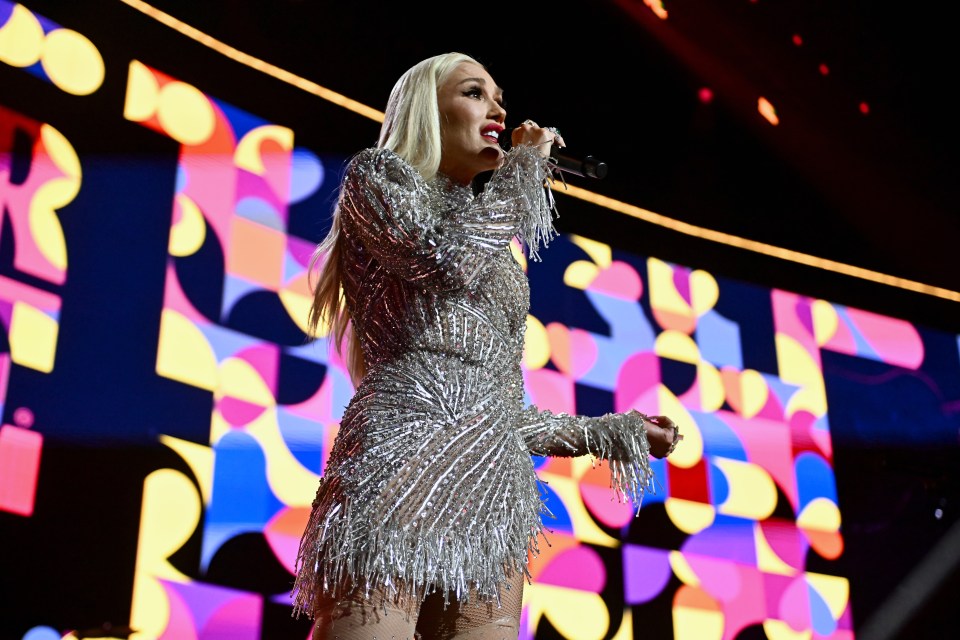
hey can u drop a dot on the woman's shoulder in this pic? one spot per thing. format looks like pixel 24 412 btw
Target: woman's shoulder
pixel 383 162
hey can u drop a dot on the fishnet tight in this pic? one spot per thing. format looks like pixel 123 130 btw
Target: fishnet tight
pixel 357 619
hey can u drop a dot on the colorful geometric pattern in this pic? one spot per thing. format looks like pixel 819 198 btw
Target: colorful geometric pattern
pixel 744 529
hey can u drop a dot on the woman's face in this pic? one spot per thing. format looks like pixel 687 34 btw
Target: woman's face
pixel 471 119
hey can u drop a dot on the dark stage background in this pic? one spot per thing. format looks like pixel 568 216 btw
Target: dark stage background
pixel 164 421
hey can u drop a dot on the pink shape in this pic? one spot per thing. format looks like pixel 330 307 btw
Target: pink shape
pixel 577 568
pixel 239 619
pixel 265 359
pixel 786 321
pixel 842 339
pixel 718 577
pixel 238 412
pixel 804 313
pixel 19 469
pixel 768 444
pixel 794 606
pixel 583 352
pixel 894 341
pixel 619 280
pixel 639 375
pixel 18 292
pixel 551 390
pixel 786 542
pixel 603 504
pixel 318 406
pixel 681 282
pixel 300 250
pixel 180 624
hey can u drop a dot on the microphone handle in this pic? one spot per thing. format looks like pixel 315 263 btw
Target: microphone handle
pixel 588 167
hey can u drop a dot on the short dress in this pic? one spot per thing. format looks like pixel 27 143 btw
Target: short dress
pixel 430 485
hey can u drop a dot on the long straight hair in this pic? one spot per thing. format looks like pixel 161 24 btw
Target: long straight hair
pixel 411 129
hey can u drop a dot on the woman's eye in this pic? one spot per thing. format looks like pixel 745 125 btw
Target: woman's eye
pixel 475 92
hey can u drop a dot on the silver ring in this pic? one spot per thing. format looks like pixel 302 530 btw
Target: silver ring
pixel 554 131
pixel 530 122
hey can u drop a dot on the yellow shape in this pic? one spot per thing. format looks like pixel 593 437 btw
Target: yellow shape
pixel 626 626
pixel 54 194
pixel 704 291
pixel 663 294
pixel 189 231
pixel 751 494
pixel 247 154
pixel 21 38
pixel 239 379
pixel 820 514
pixel 291 482
pixel 72 62
pixel 143 93
pixel 767 559
pixel 694 623
pixel 690 517
pixel 600 253
pixel 183 353
pixel 169 516
pixel 219 427
pixel 579 274
pixel 797 367
pixel 185 113
pixel 834 590
pixel 200 460
pixel 753 393
pixel 677 345
pixel 710 383
pixel 576 614
pixel 690 451
pixel 536 346
pixel 33 337
pixel 825 321
pixel 297 306
pixel 584 526
pixel 64 156
pixel 517 252
pixel 780 630
pixel 682 569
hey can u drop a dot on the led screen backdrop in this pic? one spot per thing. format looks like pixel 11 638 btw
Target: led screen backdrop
pixel 165 419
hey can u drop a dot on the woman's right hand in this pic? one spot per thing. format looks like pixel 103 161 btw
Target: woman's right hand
pixel 662 434
pixel 532 134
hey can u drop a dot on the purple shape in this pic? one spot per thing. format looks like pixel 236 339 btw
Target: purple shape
pixel 728 538
pixel 646 572
pixel 219 612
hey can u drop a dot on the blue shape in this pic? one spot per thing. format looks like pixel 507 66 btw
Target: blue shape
pixel 306 174
pixel 241 121
pixel 821 619
pixel 718 438
pixel 561 520
pixel 781 390
pixel 864 350
pixel 40 633
pixel 226 342
pixel 814 479
pixel 303 437
pixel 262 212
pixel 182 181
pixel 719 340
pixel 241 501
pixel 661 485
pixel 235 288
pixel 6 10
pixel 717 481
pixel 539 461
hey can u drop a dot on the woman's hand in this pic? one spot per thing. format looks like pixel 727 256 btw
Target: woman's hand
pixel 543 138
pixel 662 434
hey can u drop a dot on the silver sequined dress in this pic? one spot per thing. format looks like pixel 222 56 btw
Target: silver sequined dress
pixel 430 484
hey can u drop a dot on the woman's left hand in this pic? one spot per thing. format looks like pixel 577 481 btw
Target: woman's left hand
pixel 662 434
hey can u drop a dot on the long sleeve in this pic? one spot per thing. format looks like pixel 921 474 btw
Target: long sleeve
pixel 619 438
pixel 436 242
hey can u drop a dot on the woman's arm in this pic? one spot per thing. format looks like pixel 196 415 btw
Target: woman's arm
pixel 402 223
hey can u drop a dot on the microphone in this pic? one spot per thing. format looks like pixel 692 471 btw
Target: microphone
pixel 588 167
